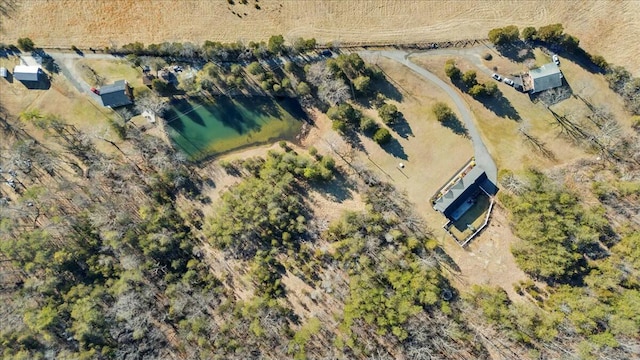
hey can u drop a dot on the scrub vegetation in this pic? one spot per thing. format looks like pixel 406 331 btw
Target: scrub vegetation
pixel 113 245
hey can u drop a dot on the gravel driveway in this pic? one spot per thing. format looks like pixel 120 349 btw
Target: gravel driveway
pixel 482 155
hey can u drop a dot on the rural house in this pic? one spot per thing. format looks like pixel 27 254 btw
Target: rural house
pixel 116 95
pixel 459 197
pixel 27 73
pixel 546 77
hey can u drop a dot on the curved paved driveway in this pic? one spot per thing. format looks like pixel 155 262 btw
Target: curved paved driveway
pixel 483 158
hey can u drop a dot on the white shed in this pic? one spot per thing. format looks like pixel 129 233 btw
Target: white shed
pixel 26 73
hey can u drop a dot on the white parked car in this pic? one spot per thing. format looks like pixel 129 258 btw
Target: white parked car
pixel 508 81
pixel 555 59
pixel 496 76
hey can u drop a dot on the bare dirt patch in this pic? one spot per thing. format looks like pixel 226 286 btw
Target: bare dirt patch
pixel 609 29
pixel 487 259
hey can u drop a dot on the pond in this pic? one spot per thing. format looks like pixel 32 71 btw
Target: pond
pixel 203 128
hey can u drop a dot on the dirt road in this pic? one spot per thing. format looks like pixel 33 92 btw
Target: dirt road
pixel 66 62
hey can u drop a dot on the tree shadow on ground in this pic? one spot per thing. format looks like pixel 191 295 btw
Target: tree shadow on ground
pixel 445 259
pixel 352 138
pixel 501 106
pixel 387 87
pixel 43 83
pixel 339 189
pixel 577 55
pixel 517 51
pixel 402 127
pixel 47 61
pixel 453 123
pixel 583 59
pixel 394 148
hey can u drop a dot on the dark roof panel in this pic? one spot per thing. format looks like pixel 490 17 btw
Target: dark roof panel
pixel 115 95
pixel 119 85
pixel 446 200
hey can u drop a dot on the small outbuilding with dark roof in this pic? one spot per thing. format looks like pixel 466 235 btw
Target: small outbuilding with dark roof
pixel 147 79
pixel 116 95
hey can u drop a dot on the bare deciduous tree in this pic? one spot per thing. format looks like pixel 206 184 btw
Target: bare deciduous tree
pixel 331 90
pixel 124 113
pixel 513 183
pixel 535 143
pixel 188 49
pixel 555 95
pixel 152 103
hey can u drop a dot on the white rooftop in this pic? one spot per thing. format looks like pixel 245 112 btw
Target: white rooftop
pixel 545 70
pixel 25 69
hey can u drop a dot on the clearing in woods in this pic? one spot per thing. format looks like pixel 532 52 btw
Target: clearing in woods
pixel 603 27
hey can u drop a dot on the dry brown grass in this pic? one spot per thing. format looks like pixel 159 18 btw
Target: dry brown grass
pixel 501 134
pixel 112 71
pixel 61 99
pixel 487 260
pixel 433 153
pixel 604 27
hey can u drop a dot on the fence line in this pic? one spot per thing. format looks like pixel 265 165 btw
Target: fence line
pixel 486 220
pixel 328 45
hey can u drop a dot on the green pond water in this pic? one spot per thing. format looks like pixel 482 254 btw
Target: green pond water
pixel 205 128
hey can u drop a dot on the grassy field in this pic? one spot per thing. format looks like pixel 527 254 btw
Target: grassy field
pixel 434 155
pixel 111 71
pixel 604 27
pixel 502 135
pixel 61 99
pixel 431 152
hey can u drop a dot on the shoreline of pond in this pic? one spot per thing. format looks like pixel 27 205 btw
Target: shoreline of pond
pixel 204 129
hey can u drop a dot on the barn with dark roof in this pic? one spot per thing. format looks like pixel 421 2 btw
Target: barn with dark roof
pixel 116 95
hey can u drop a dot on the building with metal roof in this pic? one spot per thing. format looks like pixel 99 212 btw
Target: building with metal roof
pixel 546 77
pixel 455 201
pixel 116 95
pixel 27 73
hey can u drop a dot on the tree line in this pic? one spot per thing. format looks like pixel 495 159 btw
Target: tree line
pixel 218 51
